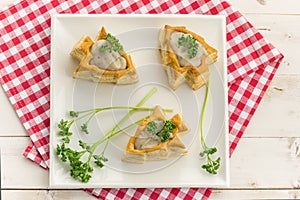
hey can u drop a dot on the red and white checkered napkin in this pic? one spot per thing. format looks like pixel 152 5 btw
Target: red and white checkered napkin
pixel 24 70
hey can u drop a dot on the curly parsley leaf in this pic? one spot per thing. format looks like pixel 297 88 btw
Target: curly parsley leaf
pixel 73 114
pixel 190 43
pixel 211 166
pixel 84 128
pixel 114 44
pixel 64 127
pixel 99 160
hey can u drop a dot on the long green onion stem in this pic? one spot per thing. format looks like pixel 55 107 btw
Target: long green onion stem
pixel 111 133
pixel 211 166
pixel 202 140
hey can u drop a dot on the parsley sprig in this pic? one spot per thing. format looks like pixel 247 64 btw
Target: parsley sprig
pixel 212 165
pixel 190 43
pixel 80 161
pixel 114 44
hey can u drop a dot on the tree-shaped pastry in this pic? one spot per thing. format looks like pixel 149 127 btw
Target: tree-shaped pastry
pixel 156 138
pixel 103 60
pixel 186 56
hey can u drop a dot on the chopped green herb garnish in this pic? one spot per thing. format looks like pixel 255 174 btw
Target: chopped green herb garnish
pixel 164 135
pixel 114 44
pixel 152 127
pixel 190 43
pixel 169 126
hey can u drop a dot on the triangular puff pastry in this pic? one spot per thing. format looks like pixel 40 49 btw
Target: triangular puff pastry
pixel 196 76
pixel 137 150
pixel 82 52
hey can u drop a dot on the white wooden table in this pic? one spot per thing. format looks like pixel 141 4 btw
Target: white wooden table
pixel 266 163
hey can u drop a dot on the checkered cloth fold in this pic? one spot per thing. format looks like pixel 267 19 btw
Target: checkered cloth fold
pixel 25 71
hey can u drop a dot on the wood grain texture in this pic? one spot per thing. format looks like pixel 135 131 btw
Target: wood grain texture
pixel 278 115
pixel 282 31
pixel 255 194
pixel 46 195
pixel 16 170
pixel 5 3
pixel 216 195
pixel 277 7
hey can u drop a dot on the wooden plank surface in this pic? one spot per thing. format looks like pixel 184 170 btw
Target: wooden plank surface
pixel 274 7
pixel 16 170
pixel 261 162
pixel 46 195
pixel 216 195
pixel 278 115
pixel 255 194
pixel 283 31
pixel 266 162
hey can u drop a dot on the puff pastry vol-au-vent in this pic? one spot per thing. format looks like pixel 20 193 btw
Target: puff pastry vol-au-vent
pixel 103 60
pixel 186 56
pixel 156 138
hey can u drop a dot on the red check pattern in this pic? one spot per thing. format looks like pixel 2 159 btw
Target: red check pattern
pixel 24 71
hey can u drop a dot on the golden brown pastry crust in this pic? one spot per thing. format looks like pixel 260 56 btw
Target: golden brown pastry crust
pixel 172 147
pixel 81 51
pixel 195 76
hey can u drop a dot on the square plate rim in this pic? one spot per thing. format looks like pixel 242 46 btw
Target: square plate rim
pixel 54 17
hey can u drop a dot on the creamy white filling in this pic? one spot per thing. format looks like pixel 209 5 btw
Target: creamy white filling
pixel 182 53
pixel 146 134
pixel 105 59
pixel 148 140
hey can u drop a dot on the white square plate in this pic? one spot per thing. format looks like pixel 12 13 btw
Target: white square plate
pixel 139 36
